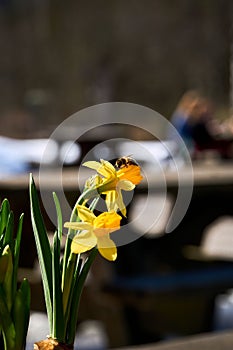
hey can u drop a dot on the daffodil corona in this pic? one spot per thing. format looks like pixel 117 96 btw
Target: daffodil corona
pixel 95 231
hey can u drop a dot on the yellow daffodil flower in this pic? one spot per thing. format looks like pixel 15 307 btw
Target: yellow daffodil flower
pixel 114 181
pixel 95 231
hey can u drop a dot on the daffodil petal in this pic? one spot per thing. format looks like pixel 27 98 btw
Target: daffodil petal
pixel 125 185
pixel 110 200
pixel 85 214
pixel 108 166
pixel 114 201
pixel 107 248
pixel 83 242
pixel 106 169
pixel 120 203
pixel 92 165
pixel 78 226
pixel 103 167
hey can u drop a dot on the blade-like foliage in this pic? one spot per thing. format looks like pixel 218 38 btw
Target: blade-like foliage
pixel 16 253
pixel 6 322
pixel 43 248
pixel 4 213
pixel 73 264
pixel 21 313
pixel 14 305
pixel 59 216
pixel 9 231
pixel 78 287
pixel 58 315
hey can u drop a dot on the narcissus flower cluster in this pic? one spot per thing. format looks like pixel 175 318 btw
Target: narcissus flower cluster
pixel 64 273
pixel 94 231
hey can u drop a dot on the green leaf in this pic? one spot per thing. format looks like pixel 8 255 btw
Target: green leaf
pixel 59 215
pixel 1 243
pixel 16 254
pixel 58 315
pixel 69 284
pixel 43 249
pixel 4 213
pixel 66 258
pixel 9 232
pixel 3 267
pixel 78 287
pixel 6 322
pixel 21 313
pixel 7 283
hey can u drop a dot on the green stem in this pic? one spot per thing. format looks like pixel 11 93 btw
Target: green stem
pixel 86 195
pixel 71 275
pixel 72 291
pixel 58 313
pixel 68 273
pixel 69 279
pixel 78 287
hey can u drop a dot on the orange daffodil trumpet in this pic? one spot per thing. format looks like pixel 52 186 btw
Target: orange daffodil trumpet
pixel 114 181
pixel 95 231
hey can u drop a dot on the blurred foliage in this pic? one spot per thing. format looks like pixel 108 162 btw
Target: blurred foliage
pixel 58 57
pixel 14 301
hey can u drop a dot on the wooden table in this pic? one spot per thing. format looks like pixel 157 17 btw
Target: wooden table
pixel 204 173
pixel 211 341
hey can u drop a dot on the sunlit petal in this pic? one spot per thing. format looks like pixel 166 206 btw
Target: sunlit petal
pixel 107 248
pixel 83 242
pixel 103 167
pixel 106 169
pixel 85 214
pixel 125 185
pixel 78 226
pixel 120 203
pixel 92 165
pixel 108 166
pixel 111 200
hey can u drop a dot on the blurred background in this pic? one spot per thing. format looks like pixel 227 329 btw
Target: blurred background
pixel 57 58
pixel 60 57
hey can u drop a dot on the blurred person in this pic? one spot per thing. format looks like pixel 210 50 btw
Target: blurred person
pixel 181 117
pixel 207 133
pixel 194 121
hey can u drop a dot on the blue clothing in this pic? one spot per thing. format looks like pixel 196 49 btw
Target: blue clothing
pixel 183 127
